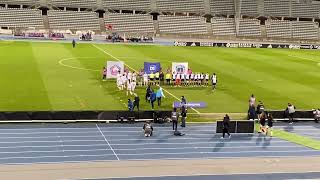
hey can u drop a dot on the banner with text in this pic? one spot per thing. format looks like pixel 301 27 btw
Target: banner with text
pixel 191 105
pixel 180 67
pixel 248 45
pixel 113 67
pixel 151 67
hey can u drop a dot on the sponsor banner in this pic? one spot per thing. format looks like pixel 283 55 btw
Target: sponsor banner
pixel 113 67
pixel 191 105
pixel 151 67
pixel 180 67
pixel 248 45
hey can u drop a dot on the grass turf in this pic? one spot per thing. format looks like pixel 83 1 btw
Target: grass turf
pixel 33 79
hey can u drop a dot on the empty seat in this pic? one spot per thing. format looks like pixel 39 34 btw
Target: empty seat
pixel 278 29
pixel 305 30
pixel 181 5
pixel 182 24
pixel 222 6
pixel 21 18
pixel 130 22
pixel 127 4
pixel 223 26
pixel 249 27
pixel 73 20
pixel 73 3
pixel 249 7
pixel 277 8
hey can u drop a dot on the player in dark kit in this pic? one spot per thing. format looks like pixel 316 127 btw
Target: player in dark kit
pixel 73 43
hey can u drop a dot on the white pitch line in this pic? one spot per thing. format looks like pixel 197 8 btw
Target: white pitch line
pixel 107 142
pixel 136 71
pixel 73 67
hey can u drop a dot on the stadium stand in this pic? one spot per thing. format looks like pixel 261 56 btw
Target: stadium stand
pixel 19 18
pixel 222 7
pixel 73 20
pixel 278 29
pixel 23 2
pixel 305 30
pixel 130 22
pixel 223 26
pixel 182 24
pixel 127 4
pixel 249 7
pixel 181 5
pixel 73 3
pixel 249 27
pixel 277 8
pixel 306 10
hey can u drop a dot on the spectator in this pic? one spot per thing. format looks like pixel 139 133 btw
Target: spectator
pixel 136 102
pixel 316 114
pixel 130 105
pixel 226 126
pixel 148 129
pixel 174 117
pixel 160 95
pixel 290 111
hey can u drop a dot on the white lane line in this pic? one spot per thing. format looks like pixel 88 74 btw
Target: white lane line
pixel 47 137
pixel 58 141
pixel 212 125
pixel 37 133
pixel 210 152
pixel 240 139
pixel 314 129
pixel 136 149
pixel 71 156
pixel 137 71
pixel 107 142
pixel 57 151
pixel 53 146
pixel 195 143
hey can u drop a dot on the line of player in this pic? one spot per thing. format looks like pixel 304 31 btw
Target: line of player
pixel 129 80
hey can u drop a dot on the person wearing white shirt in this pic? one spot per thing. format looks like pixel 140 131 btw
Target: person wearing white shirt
pixel 128 87
pixel 214 81
pixel 174 75
pixel 178 79
pixel 207 79
pixel 133 87
pixel 145 79
pixel 192 79
pixel 123 81
pixel 202 78
pixel 183 77
pixel 129 76
pixel 119 80
pixel 187 79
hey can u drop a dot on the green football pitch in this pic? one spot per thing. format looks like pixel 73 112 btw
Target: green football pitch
pixel 54 76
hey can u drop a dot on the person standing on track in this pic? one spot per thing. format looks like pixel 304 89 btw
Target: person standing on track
pixel 270 125
pixel 226 126
pixel 262 122
pixel 153 98
pixel 316 114
pixel 290 110
pixel 174 117
pixel 183 115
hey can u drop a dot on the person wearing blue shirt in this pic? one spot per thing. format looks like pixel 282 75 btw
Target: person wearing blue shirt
pixel 153 98
pixel 159 95
pixel 130 105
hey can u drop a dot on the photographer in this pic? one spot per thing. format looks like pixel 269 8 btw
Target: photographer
pixel 316 114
